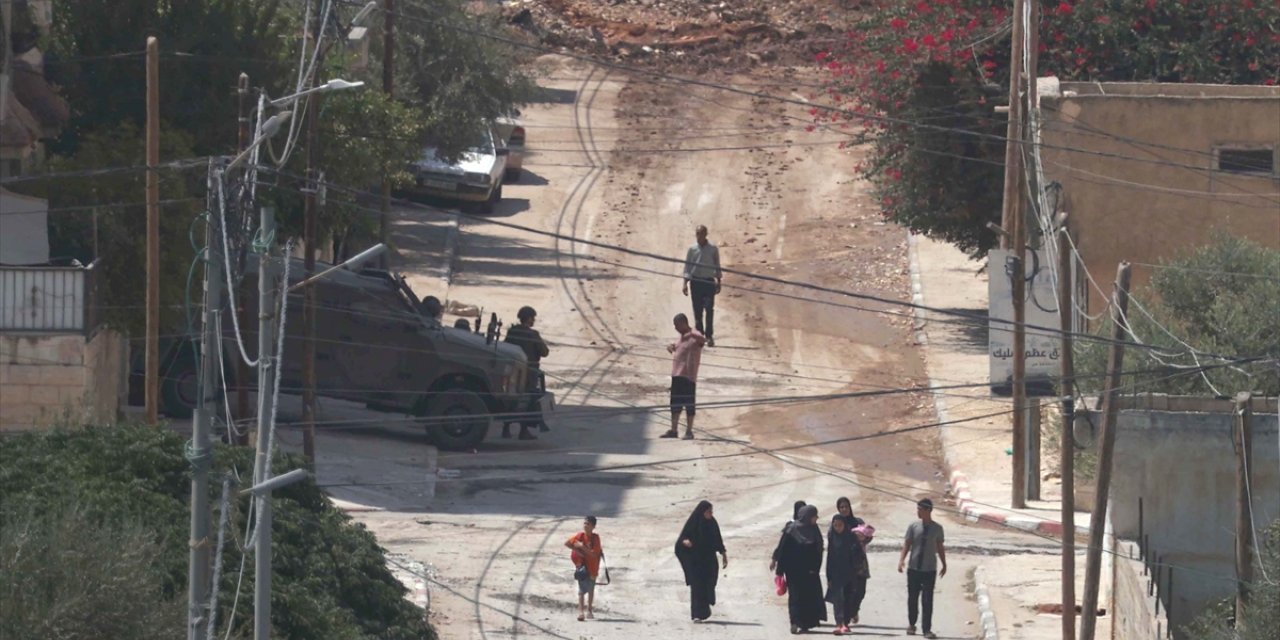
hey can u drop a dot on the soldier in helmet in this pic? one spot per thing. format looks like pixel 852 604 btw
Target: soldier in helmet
pixel 535 349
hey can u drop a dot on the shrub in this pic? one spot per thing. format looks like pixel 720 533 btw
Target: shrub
pixel 330 579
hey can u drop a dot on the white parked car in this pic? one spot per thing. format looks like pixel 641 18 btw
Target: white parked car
pixel 510 131
pixel 475 178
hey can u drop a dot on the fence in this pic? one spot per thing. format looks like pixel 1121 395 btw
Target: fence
pixel 49 299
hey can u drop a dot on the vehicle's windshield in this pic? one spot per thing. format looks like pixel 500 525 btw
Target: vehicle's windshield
pixel 481 142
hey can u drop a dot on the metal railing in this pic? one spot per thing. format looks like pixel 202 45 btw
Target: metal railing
pixel 49 299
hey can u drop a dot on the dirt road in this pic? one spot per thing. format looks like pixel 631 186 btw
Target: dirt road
pixel 628 162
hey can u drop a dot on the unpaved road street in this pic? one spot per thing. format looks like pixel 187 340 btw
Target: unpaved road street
pixel 628 162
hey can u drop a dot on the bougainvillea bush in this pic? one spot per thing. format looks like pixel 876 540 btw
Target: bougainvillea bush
pixel 919 80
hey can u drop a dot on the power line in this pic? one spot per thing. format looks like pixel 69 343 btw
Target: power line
pixel 745 274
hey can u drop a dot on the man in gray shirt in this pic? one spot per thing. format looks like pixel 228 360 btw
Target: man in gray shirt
pixel 924 544
pixel 702 273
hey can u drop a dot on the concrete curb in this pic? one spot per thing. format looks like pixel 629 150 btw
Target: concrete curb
pixel 968 509
pixel 990 630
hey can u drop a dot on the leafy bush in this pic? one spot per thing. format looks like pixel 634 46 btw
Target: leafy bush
pixel 929 72
pixel 1223 298
pixel 1262 615
pixel 66 575
pixel 330 579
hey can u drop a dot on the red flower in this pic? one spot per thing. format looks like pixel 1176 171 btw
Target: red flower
pixel 929 41
pixel 949 35
pixel 1065 8
pixel 989 64
pixel 898 23
pixel 910 45
pixel 822 55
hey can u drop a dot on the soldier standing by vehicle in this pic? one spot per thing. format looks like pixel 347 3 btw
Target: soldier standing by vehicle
pixel 535 349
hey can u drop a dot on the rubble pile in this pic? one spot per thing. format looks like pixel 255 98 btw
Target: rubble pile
pixel 701 34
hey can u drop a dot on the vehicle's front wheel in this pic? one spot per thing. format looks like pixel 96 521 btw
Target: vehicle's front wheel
pixel 180 387
pixel 457 420
pixel 492 203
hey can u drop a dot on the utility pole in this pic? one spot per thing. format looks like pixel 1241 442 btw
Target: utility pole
pixel 206 404
pixel 388 86
pixel 152 375
pixel 309 258
pixel 1011 221
pixel 1032 422
pixel 309 294
pixel 1242 437
pixel 1067 448
pixel 266 397
pixel 242 368
pixel 1097 519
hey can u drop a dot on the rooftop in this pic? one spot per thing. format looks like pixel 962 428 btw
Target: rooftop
pixel 1055 88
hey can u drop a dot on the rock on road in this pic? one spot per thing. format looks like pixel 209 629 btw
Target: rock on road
pixel 630 162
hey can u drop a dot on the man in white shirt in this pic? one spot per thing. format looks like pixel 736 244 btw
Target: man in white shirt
pixel 702 274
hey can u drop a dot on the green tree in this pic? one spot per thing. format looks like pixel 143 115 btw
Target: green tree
pixel 920 79
pixel 1223 298
pixel 117 234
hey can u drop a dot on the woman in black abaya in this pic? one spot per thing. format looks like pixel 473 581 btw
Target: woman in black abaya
pixel 696 548
pixel 800 560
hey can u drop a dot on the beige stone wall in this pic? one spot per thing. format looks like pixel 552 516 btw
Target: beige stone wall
pixel 47 378
pixel 1138 171
pixel 1136 615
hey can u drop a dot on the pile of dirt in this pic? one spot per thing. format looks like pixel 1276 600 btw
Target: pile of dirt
pixel 701 34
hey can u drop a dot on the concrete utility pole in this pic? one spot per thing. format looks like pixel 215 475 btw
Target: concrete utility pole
pixel 206 404
pixel 388 86
pixel 1067 448
pixel 1033 420
pixel 266 397
pixel 1012 222
pixel 242 368
pixel 152 375
pixel 1242 437
pixel 309 258
pixel 1097 519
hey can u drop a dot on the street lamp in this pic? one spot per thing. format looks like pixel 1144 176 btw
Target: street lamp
pixel 268 129
pixel 353 263
pixel 337 84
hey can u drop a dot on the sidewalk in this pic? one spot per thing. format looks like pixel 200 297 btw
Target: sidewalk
pixel 977 453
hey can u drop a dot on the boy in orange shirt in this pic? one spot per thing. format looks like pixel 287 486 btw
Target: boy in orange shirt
pixel 586 553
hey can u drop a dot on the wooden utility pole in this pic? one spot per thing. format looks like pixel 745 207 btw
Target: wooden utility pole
pixel 388 86
pixel 1012 223
pixel 1110 409
pixel 242 367
pixel 152 375
pixel 1067 448
pixel 1242 437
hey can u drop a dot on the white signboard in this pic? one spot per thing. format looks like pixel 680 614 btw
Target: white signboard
pixel 1042 352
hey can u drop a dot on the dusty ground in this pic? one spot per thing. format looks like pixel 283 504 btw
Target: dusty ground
pixel 630 163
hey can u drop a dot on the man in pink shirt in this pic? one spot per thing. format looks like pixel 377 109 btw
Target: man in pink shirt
pixel 686 356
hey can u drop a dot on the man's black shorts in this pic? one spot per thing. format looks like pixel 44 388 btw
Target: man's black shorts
pixel 684 394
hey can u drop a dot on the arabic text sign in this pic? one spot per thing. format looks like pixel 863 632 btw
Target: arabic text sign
pixel 1042 352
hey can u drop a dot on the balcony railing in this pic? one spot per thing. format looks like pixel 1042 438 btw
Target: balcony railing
pixel 49 299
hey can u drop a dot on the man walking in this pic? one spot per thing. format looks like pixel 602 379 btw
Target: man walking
pixel 686 356
pixel 702 273
pixel 523 335
pixel 924 544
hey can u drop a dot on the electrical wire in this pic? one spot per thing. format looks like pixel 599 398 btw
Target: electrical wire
pixel 745 274
pixel 185 163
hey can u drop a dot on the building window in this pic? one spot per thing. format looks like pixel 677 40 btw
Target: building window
pixel 1255 161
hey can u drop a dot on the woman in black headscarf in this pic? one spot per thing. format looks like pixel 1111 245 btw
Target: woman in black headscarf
pixel 795 515
pixel 696 548
pixel 846 572
pixel 800 560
